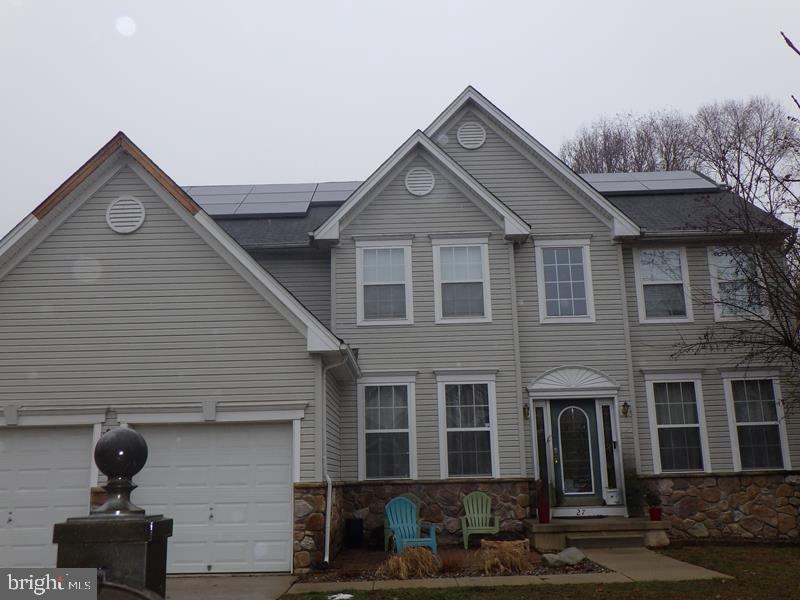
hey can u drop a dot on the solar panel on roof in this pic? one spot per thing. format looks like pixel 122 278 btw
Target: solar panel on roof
pixel 648 181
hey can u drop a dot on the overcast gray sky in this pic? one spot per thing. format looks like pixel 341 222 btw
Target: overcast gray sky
pixel 262 92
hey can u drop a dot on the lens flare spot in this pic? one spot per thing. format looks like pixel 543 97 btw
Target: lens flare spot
pixel 126 26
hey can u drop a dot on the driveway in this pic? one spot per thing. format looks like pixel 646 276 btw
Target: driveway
pixel 228 587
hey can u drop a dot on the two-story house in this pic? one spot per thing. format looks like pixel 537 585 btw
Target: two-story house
pixel 473 315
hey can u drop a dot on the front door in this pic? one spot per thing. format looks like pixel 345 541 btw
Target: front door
pixel 576 453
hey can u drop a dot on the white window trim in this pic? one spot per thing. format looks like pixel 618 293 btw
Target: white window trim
pixel 489 380
pixel 410 382
pixel 383 243
pixel 687 293
pixel 727 378
pixel 697 380
pixel 437 245
pixel 584 244
pixel 715 295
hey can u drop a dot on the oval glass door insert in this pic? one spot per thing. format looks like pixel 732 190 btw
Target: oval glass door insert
pixel 576 453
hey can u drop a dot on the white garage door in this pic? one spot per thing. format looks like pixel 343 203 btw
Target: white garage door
pixel 229 489
pixel 44 478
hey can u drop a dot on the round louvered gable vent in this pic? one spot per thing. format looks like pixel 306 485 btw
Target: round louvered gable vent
pixel 420 181
pixel 125 215
pixel 471 135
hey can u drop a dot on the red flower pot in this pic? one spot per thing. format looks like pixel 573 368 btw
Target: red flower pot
pixel 655 513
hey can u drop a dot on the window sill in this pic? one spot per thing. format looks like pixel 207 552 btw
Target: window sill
pixel 665 321
pixel 377 323
pixel 558 320
pixel 462 320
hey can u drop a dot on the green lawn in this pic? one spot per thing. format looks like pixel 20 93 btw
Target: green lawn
pixel 761 572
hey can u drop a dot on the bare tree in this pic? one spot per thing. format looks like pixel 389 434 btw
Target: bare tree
pixel 753 147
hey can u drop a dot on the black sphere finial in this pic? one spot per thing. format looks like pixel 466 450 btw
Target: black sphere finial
pixel 120 454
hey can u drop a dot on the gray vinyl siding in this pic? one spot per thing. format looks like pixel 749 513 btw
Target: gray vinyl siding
pixel 348 413
pixel 305 273
pixel 552 211
pixel 93 317
pixel 333 429
pixel 654 345
pixel 426 346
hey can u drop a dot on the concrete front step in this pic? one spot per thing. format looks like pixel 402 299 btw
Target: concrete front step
pixel 553 535
pixel 605 539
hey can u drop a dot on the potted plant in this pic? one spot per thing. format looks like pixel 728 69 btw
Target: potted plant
pixel 653 500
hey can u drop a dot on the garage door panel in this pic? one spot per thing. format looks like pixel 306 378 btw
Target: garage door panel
pixel 44 476
pixel 244 480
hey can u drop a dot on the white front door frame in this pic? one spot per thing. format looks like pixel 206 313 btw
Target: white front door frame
pixel 583 511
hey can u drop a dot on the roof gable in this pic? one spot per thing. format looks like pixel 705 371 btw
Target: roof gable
pixel 514 226
pixel 119 153
pixel 620 223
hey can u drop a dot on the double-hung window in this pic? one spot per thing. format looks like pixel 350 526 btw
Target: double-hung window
pixel 461 280
pixel 387 424
pixel 662 284
pixel 756 422
pixel 564 273
pixel 677 425
pixel 734 285
pixel 467 430
pixel 383 278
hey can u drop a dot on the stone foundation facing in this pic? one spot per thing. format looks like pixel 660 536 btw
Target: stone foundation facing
pixel 757 505
pixel 441 502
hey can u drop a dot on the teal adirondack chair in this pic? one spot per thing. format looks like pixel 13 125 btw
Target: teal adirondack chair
pixel 478 516
pixel 387 532
pixel 401 516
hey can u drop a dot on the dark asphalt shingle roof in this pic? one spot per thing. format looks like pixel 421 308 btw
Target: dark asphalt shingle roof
pixel 275 231
pixel 695 211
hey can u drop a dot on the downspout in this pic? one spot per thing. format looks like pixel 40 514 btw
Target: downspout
pixel 325 474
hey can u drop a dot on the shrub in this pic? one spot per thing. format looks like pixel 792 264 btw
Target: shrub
pixel 413 562
pixel 504 558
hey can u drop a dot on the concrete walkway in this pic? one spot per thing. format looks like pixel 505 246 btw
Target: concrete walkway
pixel 228 587
pixel 628 564
pixel 641 564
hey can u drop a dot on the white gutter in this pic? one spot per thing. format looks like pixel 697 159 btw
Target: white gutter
pixel 324 416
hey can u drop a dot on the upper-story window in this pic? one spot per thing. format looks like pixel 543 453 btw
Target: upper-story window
pixel 662 285
pixel 383 278
pixel 757 423
pixel 734 285
pixel 563 268
pixel 461 280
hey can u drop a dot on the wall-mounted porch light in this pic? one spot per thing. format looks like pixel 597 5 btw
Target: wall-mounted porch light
pixel 625 409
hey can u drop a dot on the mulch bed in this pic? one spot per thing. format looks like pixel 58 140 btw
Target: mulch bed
pixel 360 564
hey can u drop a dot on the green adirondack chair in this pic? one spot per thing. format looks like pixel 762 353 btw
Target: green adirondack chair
pixel 387 532
pixel 401 515
pixel 478 516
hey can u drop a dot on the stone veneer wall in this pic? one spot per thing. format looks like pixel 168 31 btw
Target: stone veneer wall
pixel 441 502
pixel 757 505
pixel 309 524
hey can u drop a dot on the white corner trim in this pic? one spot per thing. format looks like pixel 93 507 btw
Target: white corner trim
pixel 296 433
pixel 441 382
pixel 407 247
pixel 94 471
pixel 697 381
pixel 410 383
pixel 687 288
pixel 727 378
pixel 436 245
pixel 319 338
pixel 514 225
pixel 622 224
pixel 584 245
